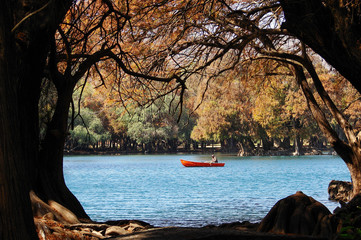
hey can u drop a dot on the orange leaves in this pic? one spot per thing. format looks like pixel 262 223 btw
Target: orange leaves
pixel 225 111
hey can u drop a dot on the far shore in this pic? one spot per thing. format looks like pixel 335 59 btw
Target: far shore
pixel 258 152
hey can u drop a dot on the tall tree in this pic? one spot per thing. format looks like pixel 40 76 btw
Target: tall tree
pixel 25 33
pixel 88 46
pixel 225 114
pixel 332 29
pixel 27 36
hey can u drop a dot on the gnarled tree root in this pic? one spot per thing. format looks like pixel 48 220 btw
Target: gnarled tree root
pixel 54 221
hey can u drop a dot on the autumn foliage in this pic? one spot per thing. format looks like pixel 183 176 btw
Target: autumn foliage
pixel 241 91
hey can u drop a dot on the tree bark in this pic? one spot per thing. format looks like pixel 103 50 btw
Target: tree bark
pixel 24 41
pixel 267 143
pixel 350 152
pixel 355 176
pixel 16 220
pixel 286 143
pixel 50 184
pixel 297 145
pixel 331 29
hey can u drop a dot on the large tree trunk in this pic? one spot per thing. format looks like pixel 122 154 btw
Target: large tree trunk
pixel 50 183
pixel 355 176
pixel 332 29
pixel 15 212
pixel 16 217
pixel 349 151
pixel 26 28
pixel 22 60
pixel 24 40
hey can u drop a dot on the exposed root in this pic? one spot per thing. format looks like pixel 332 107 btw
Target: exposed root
pixel 55 222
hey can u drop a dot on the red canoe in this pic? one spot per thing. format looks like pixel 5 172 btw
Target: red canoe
pixel 200 164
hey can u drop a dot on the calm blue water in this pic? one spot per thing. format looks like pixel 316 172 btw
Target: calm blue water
pixel 159 190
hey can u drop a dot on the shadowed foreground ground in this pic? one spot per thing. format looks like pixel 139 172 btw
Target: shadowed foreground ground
pixel 180 233
pixel 296 214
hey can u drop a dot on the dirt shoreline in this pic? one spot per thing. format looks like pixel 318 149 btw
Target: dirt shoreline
pixel 188 233
pixel 57 222
pixel 139 230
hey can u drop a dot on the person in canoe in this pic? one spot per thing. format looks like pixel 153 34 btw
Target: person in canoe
pixel 214 159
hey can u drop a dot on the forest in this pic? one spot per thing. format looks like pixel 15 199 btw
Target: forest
pixel 153 75
pixel 248 114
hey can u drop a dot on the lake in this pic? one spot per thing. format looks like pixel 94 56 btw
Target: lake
pixel 157 189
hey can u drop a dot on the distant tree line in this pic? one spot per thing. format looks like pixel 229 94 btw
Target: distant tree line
pixel 250 115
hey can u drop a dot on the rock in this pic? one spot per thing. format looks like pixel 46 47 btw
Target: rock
pixel 349 216
pixel 340 191
pixel 352 209
pixel 299 214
